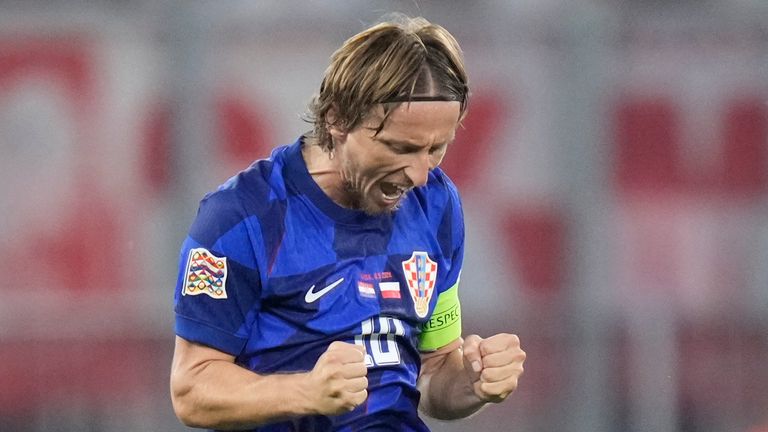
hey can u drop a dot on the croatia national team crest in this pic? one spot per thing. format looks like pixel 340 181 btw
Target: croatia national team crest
pixel 420 274
pixel 206 274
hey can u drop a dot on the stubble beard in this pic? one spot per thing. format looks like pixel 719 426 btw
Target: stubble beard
pixel 358 201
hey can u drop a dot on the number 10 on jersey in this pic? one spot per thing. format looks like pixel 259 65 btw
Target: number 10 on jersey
pixel 379 340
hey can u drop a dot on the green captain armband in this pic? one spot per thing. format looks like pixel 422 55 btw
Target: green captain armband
pixel 445 324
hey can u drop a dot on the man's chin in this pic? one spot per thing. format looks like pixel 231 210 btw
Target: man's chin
pixel 372 206
pixel 375 209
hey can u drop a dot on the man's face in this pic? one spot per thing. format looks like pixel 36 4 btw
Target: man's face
pixel 378 169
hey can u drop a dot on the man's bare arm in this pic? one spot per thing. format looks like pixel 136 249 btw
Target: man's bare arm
pixel 462 377
pixel 209 390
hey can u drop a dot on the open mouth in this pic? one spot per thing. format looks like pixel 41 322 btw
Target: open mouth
pixel 392 191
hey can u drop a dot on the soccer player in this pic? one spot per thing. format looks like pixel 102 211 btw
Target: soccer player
pixel 318 289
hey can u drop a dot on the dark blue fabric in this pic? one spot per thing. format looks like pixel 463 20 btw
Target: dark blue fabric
pixel 282 236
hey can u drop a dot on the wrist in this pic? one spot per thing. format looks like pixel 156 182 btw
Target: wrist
pixel 294 395
pixel 303 400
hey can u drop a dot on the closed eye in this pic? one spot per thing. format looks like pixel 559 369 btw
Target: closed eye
pixel 408 148
pixel 400 147
pixel 437 149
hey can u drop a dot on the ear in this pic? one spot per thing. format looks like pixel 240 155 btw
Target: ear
pixel 335 128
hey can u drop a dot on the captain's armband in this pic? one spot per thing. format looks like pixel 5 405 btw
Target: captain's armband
pixel 445 324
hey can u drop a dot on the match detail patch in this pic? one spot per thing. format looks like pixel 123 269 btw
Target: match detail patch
pixel 390 290
pixel 366 289
pixel 206 274
pixel 420 273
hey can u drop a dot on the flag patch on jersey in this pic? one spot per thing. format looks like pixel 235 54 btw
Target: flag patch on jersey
pixel 366 289
pixel 206 274
pixel 420 274
pixel 390 290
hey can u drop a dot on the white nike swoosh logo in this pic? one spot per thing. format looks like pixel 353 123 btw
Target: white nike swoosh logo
pixel 312 295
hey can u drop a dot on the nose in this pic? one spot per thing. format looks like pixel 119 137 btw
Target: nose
pixel 418 170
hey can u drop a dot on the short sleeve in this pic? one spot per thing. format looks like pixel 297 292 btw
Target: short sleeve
pixel 444 325
pixel 218 287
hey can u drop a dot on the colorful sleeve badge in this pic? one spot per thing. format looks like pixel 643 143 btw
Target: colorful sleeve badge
pixel 206 274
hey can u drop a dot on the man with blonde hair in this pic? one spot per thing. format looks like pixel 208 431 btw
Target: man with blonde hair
pixel 318 289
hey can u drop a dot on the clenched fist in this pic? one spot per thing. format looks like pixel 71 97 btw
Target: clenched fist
pixel 339 379
pixel 494 364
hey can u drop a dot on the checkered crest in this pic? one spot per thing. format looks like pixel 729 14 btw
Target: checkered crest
pixel 420 273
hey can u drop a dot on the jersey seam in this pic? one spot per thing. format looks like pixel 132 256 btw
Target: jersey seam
pixel 195 320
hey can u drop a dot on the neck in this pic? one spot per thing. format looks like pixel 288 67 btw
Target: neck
pixel 324 171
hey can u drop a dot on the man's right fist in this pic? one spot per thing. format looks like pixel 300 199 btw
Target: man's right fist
pixel 339 379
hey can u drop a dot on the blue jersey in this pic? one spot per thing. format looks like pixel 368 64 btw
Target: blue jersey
pixel 273 271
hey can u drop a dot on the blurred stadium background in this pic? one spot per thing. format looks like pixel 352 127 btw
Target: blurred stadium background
pixel 614 169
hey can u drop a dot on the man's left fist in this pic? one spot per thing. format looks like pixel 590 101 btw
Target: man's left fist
pixel 494 365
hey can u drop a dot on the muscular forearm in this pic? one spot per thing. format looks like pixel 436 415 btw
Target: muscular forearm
pixel 446 388
pixel 218 394
pixel 221 398
pixel 209 390
pixel 463 376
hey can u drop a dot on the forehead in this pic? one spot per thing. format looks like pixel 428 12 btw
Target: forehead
pixel 428 121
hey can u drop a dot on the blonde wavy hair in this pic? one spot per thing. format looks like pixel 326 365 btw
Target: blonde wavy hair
pixel 401 60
